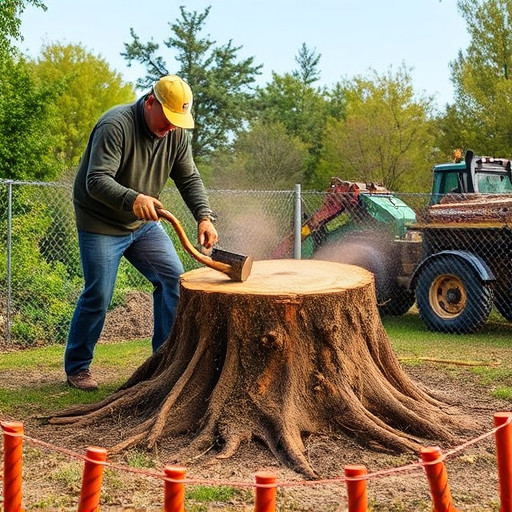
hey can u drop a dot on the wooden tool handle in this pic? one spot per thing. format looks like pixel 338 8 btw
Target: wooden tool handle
pixel 201 258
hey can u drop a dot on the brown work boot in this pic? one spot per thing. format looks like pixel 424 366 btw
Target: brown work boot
pixel 82 380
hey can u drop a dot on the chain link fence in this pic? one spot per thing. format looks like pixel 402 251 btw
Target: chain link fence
pixel 458 280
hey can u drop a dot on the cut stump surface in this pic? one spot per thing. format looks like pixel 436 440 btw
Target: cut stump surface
pixel 297 349
pixel 282 277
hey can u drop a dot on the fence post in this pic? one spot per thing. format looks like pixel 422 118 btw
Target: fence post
pixel 265 496
pixel 13 452
pixel 91 479
pixel 437 479
pixel 9 263
pixel 174 492
pixel 356 488
pixel 297 224
pixel 503 437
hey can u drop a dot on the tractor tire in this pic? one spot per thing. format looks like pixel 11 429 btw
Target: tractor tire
pixel 451 297
pixel 400 300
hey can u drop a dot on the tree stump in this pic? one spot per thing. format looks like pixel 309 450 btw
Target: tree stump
pixel 296 349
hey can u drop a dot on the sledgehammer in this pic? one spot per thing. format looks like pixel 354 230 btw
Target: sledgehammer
pixel 236 266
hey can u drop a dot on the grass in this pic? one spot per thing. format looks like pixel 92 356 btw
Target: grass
pixel 53 394
pixel 50 357
pixel 486 354
pixel 202 498
pixel 410 338
pixel 138 459
pixel 208 494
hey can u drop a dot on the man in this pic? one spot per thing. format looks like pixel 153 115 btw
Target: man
pixel 132 151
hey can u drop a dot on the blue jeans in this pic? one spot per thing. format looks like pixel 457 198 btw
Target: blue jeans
pixel 150 250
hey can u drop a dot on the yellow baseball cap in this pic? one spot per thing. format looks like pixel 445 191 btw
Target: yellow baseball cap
pixel 175 96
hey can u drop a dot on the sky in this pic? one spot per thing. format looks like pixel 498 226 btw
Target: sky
pixel 352 37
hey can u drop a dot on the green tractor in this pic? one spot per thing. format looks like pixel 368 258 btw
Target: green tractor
pixel 467 246
pixel 453 259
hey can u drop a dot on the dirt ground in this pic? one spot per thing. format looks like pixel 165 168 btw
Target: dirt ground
pixel 52 478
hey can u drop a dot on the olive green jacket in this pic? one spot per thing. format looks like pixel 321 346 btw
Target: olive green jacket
pixel 122 159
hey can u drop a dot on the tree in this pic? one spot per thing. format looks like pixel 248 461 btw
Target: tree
pixel 90 88
pixel 26 109
pixel 25 105
pixel 10 21
pixel 481 117
pixel 386 137
pixel 292 99
pixel 265 158
pixel 221 83
pixel 308 60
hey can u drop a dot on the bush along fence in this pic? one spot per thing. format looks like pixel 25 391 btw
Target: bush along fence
pixel 265 483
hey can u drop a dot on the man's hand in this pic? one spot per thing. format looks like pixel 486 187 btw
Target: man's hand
pixel 206 233
pixel 145 207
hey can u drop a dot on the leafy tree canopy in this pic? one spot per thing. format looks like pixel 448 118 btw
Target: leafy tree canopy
pixel 303 109
pixel 308 61
pixel 481 118
pixel 264 158
pixel 25 105
pixel 385 138
pixel 10 21
pixel 25 114
pixel 90 88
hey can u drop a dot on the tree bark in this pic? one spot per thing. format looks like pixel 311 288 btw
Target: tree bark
pixel 296 349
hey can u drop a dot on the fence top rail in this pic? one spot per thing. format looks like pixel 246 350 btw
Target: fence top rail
pixel 63 184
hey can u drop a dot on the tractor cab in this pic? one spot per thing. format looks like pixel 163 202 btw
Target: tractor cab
pixel 474 175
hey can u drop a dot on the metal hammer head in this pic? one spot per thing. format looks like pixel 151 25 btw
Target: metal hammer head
pixel 239 265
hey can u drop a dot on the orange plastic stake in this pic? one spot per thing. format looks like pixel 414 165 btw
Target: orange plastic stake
pixel 91 479
pixel 265 496
pixel 174 492
pixel 503 439
pixel 437 479
pixel 13 450
pixel 356 488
